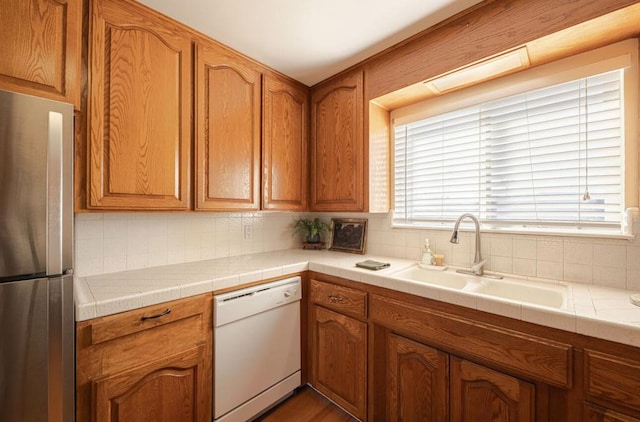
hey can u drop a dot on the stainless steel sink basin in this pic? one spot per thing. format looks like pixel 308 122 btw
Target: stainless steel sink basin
pixel 554 296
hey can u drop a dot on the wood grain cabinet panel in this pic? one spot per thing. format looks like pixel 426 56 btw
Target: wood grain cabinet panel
pixel 228 101
pixel 613 379
pixel 479 394
pixel 139 109
pixel 593 413
pixel 417 381
pixel 164 390
pixel 337 145
pixel 339 359
pixel 284 145
pixel 40 41
pixel 538 357
pixel 132 368
pixel 340 298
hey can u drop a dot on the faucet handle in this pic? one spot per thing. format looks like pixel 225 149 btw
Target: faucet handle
pixel 477 267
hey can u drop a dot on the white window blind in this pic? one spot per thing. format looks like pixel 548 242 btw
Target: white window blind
pixel 547 157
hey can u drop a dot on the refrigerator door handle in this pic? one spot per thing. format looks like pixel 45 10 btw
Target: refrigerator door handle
pixel 54 193
pixel 59 197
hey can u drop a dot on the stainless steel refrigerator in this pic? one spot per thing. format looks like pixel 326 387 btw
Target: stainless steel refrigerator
pixel 36 250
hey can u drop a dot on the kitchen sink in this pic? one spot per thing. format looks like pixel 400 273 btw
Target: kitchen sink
pixel 554 296
pixel 448 279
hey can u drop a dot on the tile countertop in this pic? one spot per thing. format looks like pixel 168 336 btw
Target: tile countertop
pixel 595 311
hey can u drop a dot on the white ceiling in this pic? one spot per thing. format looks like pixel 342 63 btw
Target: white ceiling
pixel 309 40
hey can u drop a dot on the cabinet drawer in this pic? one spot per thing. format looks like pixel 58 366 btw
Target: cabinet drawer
pixel 115 326
pixel 344 299
pixel 539 358
pixel 612 378
pixel 593 413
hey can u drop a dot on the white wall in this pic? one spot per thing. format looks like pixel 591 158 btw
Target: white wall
pixel 123 241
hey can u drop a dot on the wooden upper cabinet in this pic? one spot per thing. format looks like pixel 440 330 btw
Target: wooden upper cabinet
pixel 481 394
pixel 40 41
pixel 337 145
pixel 228 99
pixel 284 145
pixel 139 109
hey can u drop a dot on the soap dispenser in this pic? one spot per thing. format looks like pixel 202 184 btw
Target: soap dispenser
pixel 427 255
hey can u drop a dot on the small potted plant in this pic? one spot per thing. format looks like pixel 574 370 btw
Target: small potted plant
pixel 312 229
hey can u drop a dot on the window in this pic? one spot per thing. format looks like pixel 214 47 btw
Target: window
pixel 551 158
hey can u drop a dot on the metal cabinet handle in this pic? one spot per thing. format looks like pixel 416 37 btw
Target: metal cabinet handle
pixel 163 313
pixel 336 299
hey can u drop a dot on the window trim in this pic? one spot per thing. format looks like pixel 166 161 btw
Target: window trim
pixel 622 54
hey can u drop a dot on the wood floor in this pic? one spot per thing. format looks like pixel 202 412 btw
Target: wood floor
pixel 307 406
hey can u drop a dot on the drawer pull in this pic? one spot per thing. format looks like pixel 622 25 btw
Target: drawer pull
pixel 336 299
pixel 163 313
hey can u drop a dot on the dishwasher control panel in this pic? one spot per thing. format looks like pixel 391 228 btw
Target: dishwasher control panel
pixel 232 306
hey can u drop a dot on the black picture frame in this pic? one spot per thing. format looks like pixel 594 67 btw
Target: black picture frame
pixel 348 235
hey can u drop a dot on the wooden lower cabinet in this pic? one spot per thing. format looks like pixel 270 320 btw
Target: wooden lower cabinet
pixel 417 381
pixel 480 394
pixel 148 365
pixel 426 384
pixel 164 390
pixel 436 362
pixel 339 359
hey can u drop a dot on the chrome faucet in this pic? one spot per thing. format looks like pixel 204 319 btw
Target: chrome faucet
pixel 478 262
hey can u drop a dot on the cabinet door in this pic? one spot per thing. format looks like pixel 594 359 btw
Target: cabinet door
pixel 164 390
pixel 417 381
pixel 284 145
pixel 340 359
pixel 337 145
pixel 227 131
pixel 40 41
pixel 139 115
pixel 479 394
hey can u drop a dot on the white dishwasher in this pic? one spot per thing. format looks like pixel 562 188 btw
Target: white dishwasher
pixel 256 348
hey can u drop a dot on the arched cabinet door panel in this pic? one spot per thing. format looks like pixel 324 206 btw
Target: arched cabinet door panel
pixel 228 101
pixel 164 390
pixel 139 109
pixel 285 166
pixel 340 359
pixel 337 145
pixel 480 394
pixel 417 381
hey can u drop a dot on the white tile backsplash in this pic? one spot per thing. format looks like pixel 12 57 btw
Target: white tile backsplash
pixel 116 242
pixel 122 241
pixel 589 260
